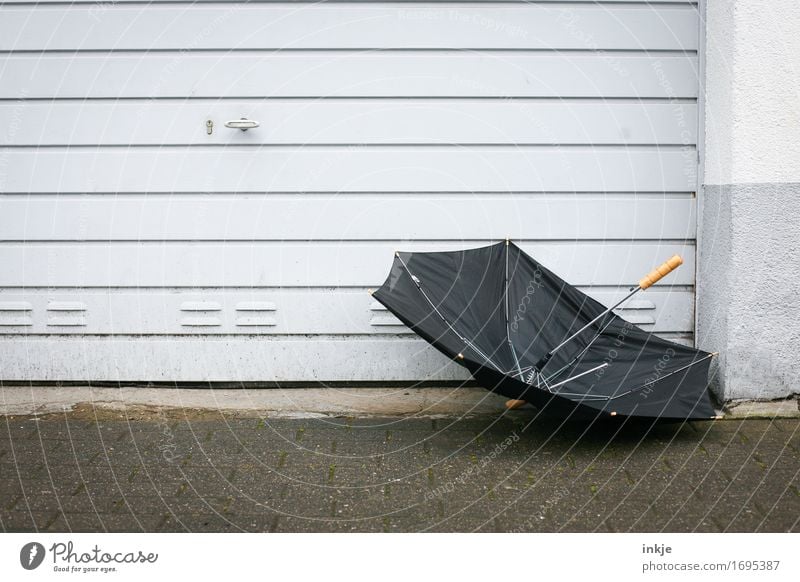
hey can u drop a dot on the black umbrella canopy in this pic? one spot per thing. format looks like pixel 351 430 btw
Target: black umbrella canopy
pixel 525 333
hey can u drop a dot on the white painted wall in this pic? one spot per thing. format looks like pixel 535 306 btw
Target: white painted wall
pixel 748 307
pixel 136 246
pixel 753 93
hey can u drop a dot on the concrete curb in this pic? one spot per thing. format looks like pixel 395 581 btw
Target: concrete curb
pixel 274 403
pixel 303 402
pixel 787 408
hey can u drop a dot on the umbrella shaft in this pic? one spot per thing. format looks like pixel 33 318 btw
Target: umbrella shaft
pixel 543 362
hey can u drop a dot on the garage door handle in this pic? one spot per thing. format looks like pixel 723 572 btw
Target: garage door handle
pixel 243 124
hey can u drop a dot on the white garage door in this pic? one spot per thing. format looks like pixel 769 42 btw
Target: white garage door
pixel 141 239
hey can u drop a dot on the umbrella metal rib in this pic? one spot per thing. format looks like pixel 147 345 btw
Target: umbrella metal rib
pixel 681 369
pixel 541 381
pixel 601 366
pixel 580 354
pixel 508 325
pixel 442 317
pixel 645 385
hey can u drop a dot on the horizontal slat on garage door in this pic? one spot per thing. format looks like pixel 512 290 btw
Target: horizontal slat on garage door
pixel 361 26
pixel 386 121
pixel 350 169
pixel 263 359
pixel 100 6
pixel 261 311
pixel 224 358
pixel 361 217
pixel 349 74
pixel 302 264
pixel 126 229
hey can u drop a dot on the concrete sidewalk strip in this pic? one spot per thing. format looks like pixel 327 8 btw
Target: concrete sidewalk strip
pixel 269 402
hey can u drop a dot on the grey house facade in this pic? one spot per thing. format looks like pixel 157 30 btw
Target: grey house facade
pixel 146 237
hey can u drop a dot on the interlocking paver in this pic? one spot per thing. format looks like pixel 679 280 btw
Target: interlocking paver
pixel 178 472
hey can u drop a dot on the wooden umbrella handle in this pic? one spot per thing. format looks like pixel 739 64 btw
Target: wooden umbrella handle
pixel 660 272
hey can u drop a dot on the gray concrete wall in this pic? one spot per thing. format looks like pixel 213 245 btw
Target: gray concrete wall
pixel 749 236
pixel 748 305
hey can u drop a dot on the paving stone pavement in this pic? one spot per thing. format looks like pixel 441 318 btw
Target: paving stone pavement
pixel 157 471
